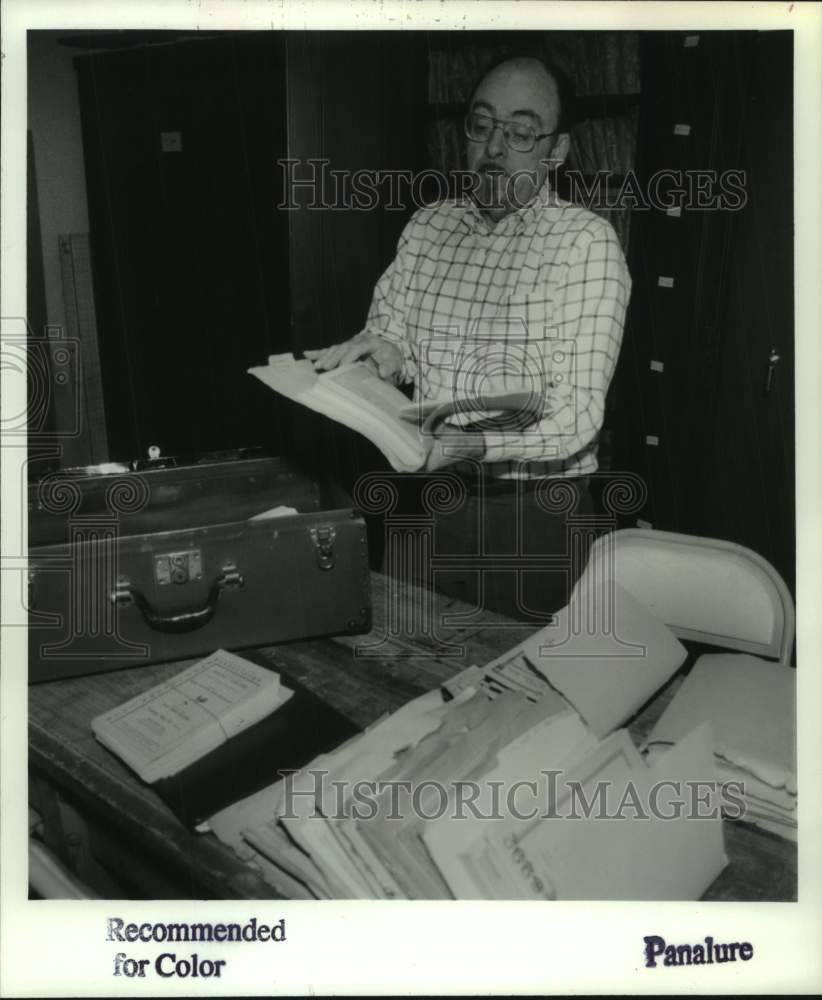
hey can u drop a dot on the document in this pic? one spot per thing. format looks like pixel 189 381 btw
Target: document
pixel 456 837
pixel 606 665
pixel 750 704
pixel 613 851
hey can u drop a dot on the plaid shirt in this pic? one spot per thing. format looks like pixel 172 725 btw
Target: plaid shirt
pixel 540 297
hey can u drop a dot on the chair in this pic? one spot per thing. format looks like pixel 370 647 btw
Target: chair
pixel 706 590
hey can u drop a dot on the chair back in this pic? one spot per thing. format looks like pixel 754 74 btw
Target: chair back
pixel 704 589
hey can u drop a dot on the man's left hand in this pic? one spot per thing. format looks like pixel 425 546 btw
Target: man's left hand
pixel 454 445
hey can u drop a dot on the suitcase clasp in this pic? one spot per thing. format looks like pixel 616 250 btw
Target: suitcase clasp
pixel 323 536
pixel 121 596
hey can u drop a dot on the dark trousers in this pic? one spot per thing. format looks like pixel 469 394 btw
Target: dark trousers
pixel 516 548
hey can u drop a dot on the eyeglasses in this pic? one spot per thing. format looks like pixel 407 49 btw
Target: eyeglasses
pixel 518 136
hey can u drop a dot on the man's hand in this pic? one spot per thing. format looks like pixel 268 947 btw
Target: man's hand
pixel 386 357
pixel 454 445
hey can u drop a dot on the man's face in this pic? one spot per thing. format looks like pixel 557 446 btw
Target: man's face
pixel 509 179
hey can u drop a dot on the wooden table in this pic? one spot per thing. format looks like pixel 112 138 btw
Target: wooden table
pixel 95 809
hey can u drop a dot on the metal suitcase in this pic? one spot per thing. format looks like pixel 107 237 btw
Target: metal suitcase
pixel 165 561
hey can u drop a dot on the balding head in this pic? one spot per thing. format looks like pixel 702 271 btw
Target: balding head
pixel 526 82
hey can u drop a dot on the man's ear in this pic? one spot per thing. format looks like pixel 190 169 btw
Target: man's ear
pixel 561 149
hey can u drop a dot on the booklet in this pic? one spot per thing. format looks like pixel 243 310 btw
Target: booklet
pixel 167 728
pixel 354 395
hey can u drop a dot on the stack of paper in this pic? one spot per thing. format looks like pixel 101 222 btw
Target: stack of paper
pixel 750 704
pixel 450 798
pixel 350 825
pixel 169 727
pixel 456 757
pixel 290 832
pixel 634 843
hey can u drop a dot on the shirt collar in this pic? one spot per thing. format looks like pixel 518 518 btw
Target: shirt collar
pixel 516 222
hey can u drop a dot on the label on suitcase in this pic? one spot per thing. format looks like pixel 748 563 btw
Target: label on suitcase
pixel 124 588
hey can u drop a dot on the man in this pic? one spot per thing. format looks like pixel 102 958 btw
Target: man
pixel 493 292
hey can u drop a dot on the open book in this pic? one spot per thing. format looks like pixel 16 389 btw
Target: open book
pixel 355 395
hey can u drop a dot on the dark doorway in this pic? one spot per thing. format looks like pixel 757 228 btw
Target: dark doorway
pixel 190 254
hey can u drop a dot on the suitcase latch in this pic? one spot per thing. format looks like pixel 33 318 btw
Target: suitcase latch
pixel 323 537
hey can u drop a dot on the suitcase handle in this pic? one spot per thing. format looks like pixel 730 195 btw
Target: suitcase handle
pixel 183 621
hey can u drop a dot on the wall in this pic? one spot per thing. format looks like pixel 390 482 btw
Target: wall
pixel 54 121
pixel 714 447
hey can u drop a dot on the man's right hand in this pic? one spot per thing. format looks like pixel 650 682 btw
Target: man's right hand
pixel 386 356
